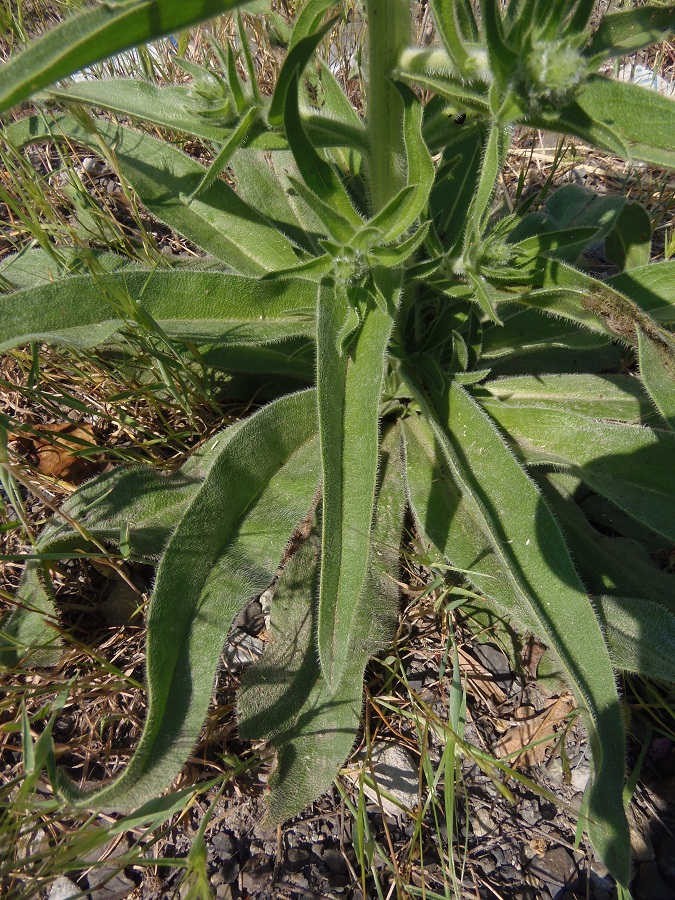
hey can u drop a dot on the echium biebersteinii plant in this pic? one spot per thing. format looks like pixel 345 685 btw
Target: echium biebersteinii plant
pixel 428 353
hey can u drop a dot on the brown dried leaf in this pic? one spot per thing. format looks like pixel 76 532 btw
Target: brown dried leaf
pixel 531 727
pixel 480 682
pixel 57 458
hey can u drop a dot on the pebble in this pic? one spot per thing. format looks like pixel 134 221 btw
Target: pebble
pixel 395 773
pixel 257 873
pixel 555 867
pixel 92 166
pixel 63 889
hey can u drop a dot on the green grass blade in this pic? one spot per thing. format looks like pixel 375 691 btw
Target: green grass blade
pixel 349 388
pixel 213 307
pixel 225 550
pixel 94 34
pixel 533 553
pixel 284 698
pixel 218 221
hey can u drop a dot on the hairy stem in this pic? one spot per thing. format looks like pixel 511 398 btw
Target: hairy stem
pixel 388 35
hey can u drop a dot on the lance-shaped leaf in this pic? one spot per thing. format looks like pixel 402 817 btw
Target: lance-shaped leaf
pixel 443 515
pixel 349 388
pixel 34 266
pixel 397 216
pixel 629 30
pixel 263 181
pixel 628 245
pixel 526 330
pixel 625 118
pixel 579 297
pixel 652 288
pixel 318 174
pixel 225 550
pixel 642 633
pixel 631 465
pixel 456 184
pixel 607 565
pixel 169 106
pixel 532 554
pixel 218 220
pixel 600 396
pixel 657 368
pixel 94 34
pixel 284 697
pixel 307 33
pixel 213 307
pixel 445 17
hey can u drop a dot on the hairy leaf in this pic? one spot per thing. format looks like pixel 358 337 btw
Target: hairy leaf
pixel 284 697
pixel 349 388
pixel 631 465
pixel 533 554
pixel 94 34
pixel 85 310
pixel 225 550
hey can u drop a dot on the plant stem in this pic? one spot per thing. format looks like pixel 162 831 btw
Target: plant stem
pixel 388 35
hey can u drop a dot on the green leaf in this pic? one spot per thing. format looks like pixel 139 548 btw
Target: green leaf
pixel 455 184
pixel 284 698
pixel 607 565
pixel 85 310
pixel 657 368
pixel 641 634
pixel 628 244
pixel 533 555
pixel 503 60
pixel 349 388
pixel 318 174
pixel 169 106
pixel 652 288
pixel 263 181
pixel 225 550
pixel 619 397
pixel 641 120
pixel 94 34
pixel 445 17
pixel 629 30
pixel 219 221
pixel 481 206
pixel 307 35
pixel 224 155
pixel 526 330
pixel 633 466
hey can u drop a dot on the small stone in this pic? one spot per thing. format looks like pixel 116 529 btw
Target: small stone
pixel 296 858
pixel 555 867
pixel 92 166
pixel 257 873
pixel 580 775
pixel 482 822
pixel 396 773
pixel 224 892
pixel 241 650
pixel 230 869
pixel 63 889
pixel 335 861
pixel 224 844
